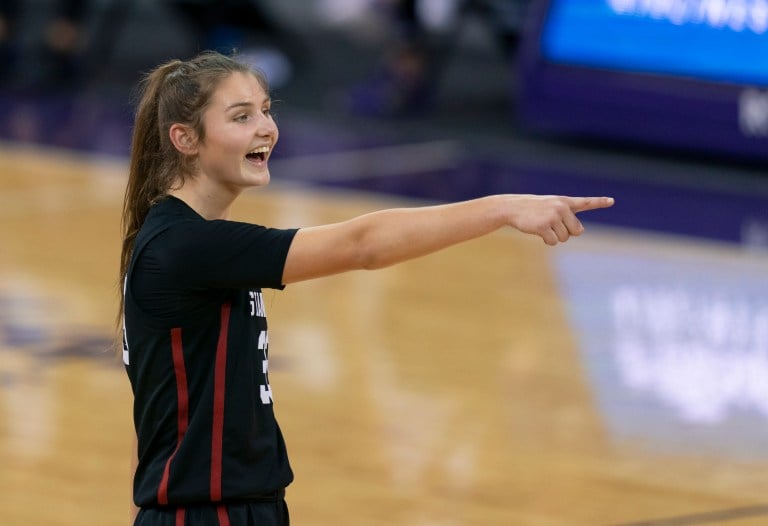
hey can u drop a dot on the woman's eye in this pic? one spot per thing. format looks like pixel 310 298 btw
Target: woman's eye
pixel 267 111
pixel 242 118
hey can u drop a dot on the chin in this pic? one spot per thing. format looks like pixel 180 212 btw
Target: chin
pixel 256 180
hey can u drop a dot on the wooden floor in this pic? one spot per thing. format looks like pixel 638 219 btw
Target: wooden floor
pixel 460 389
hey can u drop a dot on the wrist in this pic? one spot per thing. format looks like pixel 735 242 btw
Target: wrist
pixel 503 210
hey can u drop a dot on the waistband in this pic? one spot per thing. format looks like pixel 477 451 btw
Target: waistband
pixel 270 496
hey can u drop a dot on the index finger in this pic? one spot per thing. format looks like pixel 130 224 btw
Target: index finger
pixel 581 204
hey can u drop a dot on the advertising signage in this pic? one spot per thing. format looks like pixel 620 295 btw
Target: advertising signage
pixel 687 73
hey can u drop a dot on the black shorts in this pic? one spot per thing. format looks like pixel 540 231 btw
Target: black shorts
pixel 240 514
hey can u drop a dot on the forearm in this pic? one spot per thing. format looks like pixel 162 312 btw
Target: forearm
pixel 391 236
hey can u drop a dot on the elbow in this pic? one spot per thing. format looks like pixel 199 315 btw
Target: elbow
pixel 369 258
pixel 369 250
pixel 369 261
pixel 373 265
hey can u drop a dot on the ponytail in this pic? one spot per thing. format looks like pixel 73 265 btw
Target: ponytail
pixel 145 184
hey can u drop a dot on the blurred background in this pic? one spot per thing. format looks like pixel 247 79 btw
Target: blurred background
pixel 620 380
pixel 616 93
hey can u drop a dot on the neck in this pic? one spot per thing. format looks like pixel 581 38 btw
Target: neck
pixel 208 203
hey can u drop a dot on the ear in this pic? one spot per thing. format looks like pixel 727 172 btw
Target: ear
pixel 183 138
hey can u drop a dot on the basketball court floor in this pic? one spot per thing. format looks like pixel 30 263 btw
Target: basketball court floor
pixel 619 379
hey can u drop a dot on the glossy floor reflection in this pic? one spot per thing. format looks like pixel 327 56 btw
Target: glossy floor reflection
pixel 675 339
pixel 613 380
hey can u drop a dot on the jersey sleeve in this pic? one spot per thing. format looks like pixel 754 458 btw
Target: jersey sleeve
pixel 223 254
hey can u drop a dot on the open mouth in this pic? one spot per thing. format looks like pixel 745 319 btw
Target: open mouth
pixel 259 155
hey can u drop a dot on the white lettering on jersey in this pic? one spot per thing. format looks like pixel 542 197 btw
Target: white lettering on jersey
pixel 257 304
pixel 265 389
pixel 126 357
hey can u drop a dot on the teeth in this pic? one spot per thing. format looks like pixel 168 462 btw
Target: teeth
pixel 262 149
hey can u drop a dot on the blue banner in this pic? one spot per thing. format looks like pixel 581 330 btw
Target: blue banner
pixel 715 40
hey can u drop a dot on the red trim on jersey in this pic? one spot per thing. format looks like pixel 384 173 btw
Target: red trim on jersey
pixel 223 515
pixel 182 411
pixel 180 515
pixel 219 384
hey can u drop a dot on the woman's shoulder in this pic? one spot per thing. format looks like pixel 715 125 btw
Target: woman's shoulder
pixel 169 207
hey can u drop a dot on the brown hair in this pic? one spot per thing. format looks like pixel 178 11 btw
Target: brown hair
pixel 174 92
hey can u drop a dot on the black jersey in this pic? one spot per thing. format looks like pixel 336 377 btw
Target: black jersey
pixel 196 353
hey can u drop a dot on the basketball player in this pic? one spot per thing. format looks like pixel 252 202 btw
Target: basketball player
pixel 195 340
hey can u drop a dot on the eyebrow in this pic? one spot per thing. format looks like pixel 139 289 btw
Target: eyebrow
pixel 268 100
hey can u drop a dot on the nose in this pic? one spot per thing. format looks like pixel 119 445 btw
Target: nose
pixel 266 126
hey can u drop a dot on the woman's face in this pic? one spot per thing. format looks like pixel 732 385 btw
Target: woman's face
pixel 240 134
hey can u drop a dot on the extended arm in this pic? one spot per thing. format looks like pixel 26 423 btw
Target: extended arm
pixel 386 237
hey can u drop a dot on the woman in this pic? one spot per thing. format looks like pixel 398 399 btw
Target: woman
pixel 195 332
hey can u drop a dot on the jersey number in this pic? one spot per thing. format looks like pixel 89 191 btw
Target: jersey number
pixel 265 389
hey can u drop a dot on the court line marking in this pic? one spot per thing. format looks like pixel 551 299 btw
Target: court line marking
pixel 384 161
pixel 705 517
